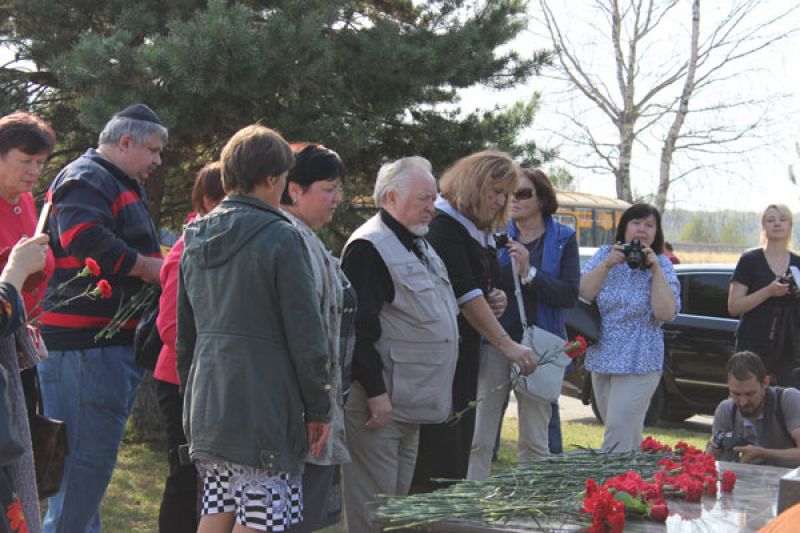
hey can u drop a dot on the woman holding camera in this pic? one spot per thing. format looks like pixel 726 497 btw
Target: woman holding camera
pixel 760 294
pixel 636 290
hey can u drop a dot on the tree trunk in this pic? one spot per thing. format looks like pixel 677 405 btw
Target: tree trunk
pixel 148 423
pixel 668 148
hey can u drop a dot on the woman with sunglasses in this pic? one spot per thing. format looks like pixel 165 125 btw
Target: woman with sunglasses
pixel 546 256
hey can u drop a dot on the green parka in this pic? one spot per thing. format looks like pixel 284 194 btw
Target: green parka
pixel 251 346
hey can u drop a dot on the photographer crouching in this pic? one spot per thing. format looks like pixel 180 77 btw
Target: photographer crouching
pixel 758 424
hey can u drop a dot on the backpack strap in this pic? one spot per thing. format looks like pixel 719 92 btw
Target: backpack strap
pixel 779 412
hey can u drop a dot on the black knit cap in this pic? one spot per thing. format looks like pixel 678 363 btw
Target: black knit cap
pixel 140 112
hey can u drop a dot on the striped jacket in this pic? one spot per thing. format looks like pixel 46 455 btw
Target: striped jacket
pixel 98 212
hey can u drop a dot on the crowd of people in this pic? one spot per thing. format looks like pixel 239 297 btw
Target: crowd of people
pixel 296 387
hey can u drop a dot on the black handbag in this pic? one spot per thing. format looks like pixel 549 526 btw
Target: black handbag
pixel 584 320
pixel 50 448
pixel 147 342
pixel 12 445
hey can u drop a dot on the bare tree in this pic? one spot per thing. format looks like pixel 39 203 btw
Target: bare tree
pixel 652 92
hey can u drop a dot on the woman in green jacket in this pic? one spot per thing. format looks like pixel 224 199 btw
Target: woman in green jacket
pixel 251 347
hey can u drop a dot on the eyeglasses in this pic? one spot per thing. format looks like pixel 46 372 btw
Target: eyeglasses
pixel 523 194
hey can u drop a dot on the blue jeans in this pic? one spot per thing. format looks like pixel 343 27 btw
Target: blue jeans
pixel 93 392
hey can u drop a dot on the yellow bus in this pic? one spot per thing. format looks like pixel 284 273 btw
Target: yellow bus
pixel 594 218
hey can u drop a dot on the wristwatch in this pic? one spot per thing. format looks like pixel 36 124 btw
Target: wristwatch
pixel 529 276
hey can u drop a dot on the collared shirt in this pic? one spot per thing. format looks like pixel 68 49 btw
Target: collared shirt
pixel 631 340
pixel 366 270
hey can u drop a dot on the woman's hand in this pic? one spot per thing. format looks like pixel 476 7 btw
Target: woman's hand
pixel 651 259
pixel 520 255
pixel 317 436
pixel 777 288
pixel 520 354
pixel 27 256
pixel 497 301
pixel 616 256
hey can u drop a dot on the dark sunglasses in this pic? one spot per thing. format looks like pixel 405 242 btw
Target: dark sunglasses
pixel 523 194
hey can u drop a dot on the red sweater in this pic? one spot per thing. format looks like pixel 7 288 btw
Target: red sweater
pixel 16 221
pixel 166 367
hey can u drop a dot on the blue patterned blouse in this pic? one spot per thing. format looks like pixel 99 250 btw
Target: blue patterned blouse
pixel 631 340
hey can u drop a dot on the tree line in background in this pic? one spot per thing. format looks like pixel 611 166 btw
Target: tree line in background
pixel 730 228
pixel 374 80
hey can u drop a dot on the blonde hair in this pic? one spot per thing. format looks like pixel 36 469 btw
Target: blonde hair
pixel 467 185
pixel 783 210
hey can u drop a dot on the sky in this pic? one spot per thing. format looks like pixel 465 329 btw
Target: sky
pixel 745 182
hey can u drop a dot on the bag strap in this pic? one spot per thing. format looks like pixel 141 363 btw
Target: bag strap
pixel 518 295
pixel 779 413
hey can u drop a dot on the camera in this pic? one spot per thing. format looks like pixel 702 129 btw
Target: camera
pixel 791 280
pixel 500 240
pixel 634 256
pixel 727 441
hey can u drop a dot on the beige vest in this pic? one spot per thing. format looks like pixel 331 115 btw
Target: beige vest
pixel 419 332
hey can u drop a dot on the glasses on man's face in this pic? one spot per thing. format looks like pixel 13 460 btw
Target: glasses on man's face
pixel 523 194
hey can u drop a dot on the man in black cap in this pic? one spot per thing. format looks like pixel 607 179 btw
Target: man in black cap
pixel 99 212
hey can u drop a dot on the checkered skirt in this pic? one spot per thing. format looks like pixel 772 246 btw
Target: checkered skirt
pixel 261 500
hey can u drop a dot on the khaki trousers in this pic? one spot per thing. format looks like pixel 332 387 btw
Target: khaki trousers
pixel 382 462
pixel 622 401
pixel 534 417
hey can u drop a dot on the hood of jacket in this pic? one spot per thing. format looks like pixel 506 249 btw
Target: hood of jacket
pixel 211 241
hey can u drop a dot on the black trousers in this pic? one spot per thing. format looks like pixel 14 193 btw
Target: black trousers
pixel 179 511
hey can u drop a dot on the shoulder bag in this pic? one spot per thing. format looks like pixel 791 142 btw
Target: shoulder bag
pixel 545 382
pixel 584 319
pixel 50 448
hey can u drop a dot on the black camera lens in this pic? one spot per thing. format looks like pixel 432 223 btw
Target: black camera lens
pixel 634 256
pixel 500 240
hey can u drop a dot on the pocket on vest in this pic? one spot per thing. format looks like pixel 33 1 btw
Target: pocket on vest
pixel 421 385
pixel 423 302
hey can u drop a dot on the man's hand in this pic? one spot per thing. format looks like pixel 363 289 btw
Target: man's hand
pixel 380 409
pixel 497 301
pixel 317 436
pixel 147 268
pixel 749 453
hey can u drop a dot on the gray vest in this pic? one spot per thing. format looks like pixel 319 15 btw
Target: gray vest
pixel 419 332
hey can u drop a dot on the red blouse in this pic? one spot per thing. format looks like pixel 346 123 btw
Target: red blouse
pixel 17 220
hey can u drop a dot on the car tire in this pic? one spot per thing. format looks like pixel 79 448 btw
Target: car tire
pixel 654 413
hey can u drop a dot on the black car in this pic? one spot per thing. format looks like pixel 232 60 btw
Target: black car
pixel 697 345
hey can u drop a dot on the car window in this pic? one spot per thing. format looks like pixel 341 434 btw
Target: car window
pixel 707 294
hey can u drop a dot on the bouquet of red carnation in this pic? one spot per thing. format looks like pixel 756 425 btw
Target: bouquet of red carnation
pixel 102 289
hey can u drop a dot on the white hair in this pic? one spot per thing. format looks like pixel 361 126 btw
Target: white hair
pixel 394 176
pixel 139 130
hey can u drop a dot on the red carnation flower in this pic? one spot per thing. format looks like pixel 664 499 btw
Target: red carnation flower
pixel 728 481
pixel 92 266
pixel 105 289
pixel 576 347
pixel 659 512
pixel 16 518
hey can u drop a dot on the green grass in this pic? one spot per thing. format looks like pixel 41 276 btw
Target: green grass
pixel 134 495
pixel 590 435
pixel 132 501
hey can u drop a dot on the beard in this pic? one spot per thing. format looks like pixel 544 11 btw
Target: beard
pixel 420 230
